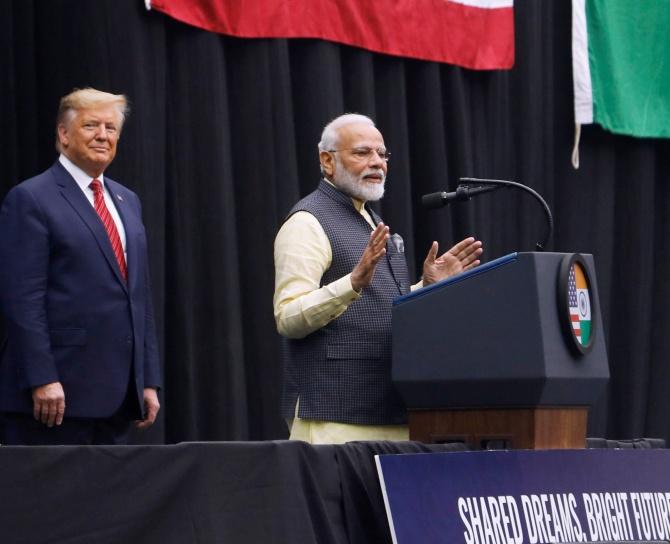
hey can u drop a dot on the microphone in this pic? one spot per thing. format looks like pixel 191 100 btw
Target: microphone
pixel 465 191
pixel 462 192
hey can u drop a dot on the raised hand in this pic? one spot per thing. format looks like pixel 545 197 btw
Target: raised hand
pixel 463 256
pixel 361 275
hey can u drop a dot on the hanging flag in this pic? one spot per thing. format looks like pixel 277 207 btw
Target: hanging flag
pixel 476 34
pixel 621 65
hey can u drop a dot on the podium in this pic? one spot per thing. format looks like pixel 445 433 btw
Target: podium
pixel 493 357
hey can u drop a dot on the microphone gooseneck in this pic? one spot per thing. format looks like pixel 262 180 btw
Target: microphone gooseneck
pixel 469 187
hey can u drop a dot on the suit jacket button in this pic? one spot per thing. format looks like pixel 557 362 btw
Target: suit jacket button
pixel 129 340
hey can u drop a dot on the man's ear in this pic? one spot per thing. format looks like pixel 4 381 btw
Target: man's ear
pixel 327 160
pixel 62 135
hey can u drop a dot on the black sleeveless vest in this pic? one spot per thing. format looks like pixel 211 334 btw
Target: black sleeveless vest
pixel 342 372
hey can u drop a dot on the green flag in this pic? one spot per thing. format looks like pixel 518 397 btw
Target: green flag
pixel 621 65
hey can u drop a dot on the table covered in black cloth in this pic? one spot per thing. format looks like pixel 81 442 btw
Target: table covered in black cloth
pixel 232 492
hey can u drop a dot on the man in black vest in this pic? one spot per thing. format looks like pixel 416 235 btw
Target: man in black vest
pixel 337 270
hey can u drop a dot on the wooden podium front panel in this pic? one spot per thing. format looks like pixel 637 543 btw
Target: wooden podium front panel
pixel 514 428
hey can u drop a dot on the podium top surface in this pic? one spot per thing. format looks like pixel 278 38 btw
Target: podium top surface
pixel 482 269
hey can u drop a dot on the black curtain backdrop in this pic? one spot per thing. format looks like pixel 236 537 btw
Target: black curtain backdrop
pixel 222 141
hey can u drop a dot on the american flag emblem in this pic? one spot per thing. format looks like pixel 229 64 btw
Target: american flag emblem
pixel 572 303
pixel 579 302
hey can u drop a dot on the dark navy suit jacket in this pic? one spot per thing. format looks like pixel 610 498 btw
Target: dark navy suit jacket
pixel 70 315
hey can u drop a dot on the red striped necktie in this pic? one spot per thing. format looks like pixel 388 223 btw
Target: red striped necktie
pixel 110 226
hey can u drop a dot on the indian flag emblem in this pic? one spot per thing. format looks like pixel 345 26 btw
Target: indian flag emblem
pixel 579 303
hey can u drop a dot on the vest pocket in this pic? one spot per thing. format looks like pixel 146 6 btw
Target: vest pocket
pixel 355 350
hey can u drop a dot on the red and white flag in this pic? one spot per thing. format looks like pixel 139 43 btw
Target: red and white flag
pixel 477 34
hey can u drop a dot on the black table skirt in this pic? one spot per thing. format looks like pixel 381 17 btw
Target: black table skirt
pixel 223 492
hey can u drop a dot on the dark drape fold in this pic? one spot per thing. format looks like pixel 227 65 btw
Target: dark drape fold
pixel 204 336
pixel 222 141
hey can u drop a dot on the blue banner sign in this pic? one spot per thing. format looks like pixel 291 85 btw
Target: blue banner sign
pixel 533 497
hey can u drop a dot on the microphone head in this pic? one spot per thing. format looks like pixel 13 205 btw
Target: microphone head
pixel 434 200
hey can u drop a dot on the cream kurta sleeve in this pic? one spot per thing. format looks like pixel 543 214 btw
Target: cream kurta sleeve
pixel 302 254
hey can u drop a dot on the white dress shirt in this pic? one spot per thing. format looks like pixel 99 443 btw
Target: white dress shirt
pixel 84 180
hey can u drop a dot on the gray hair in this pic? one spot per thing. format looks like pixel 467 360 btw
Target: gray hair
pixel 330 136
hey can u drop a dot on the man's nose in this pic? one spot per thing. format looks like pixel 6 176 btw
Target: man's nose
pixel 101 132
pixel 375 160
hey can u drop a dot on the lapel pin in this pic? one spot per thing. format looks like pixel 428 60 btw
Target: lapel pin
pixel 119 197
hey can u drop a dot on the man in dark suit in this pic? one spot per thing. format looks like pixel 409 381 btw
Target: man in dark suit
pixel 80 361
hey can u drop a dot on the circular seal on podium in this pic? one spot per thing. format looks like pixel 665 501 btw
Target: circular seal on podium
pixel 576 303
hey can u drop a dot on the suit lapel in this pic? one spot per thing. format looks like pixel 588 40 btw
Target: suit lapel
pixel 76 198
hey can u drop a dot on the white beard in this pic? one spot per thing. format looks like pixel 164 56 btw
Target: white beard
pixel 357 187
